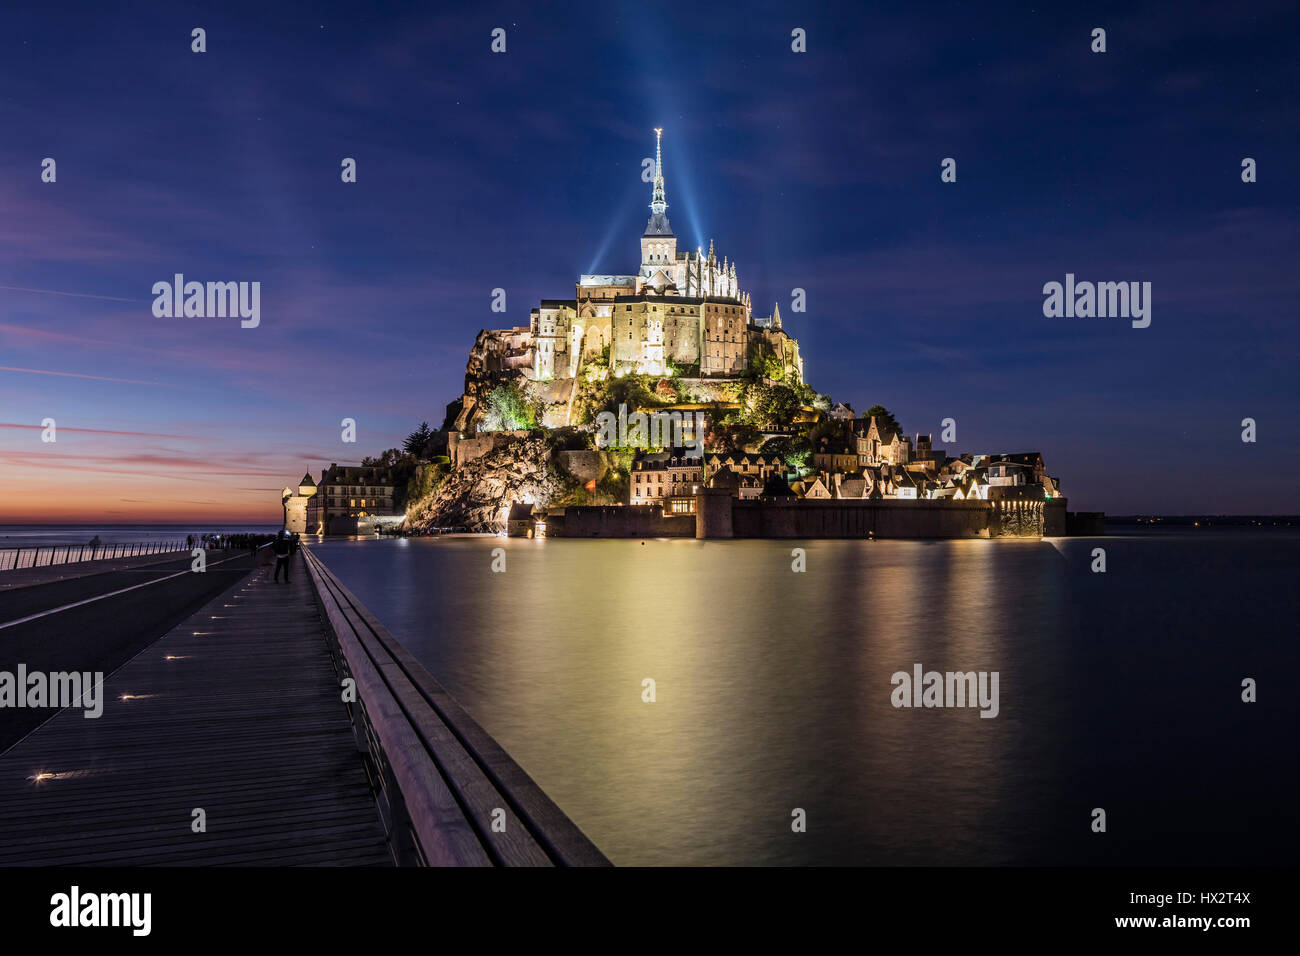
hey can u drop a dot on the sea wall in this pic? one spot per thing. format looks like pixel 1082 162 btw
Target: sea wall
pixel 852 518
pixel 622 521
pixel 719 515
pixel 379 524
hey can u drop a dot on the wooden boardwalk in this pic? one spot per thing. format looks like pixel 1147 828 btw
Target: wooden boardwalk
pixel 236 711
pixel 451 796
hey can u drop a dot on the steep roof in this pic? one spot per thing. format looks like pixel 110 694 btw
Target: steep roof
pixel 885 433
pixel 740 457
pixel 854 487
pixel 658 225
pixel 776 487
pixel 724 477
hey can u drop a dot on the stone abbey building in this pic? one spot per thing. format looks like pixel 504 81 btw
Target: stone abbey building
pixel 681 307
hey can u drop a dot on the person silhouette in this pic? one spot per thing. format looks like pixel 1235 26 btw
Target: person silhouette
pixel 283 549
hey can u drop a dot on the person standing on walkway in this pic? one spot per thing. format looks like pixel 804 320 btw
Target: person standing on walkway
pixel 283 549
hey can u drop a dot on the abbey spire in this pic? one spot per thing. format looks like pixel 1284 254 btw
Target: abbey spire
pixel 658 224
pixel 658 204
pixel 681 309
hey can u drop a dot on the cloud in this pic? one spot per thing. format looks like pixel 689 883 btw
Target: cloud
pixel 96 431
pixel 97 378
pixel 78 295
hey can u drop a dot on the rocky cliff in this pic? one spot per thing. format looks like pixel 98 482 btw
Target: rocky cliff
pixel 477 495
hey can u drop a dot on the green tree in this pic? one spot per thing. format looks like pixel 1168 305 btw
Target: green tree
pixel 795 452
pixel 884 418
pixel 772 366
pixel 416 441
pixel 630 390
pixel 508 409
pixel 774 406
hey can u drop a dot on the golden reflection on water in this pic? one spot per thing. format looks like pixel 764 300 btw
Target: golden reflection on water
pixel 772 687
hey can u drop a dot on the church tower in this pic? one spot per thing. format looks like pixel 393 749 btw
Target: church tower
pixel 658 244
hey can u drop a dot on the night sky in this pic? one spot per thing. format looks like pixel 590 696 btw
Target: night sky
pixel 521 170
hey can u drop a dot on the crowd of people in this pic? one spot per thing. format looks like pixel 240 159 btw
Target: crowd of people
pixel 226 542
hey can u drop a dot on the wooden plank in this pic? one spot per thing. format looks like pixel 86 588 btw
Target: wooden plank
pixel 475 767
pixel 445 836
pixel 245 721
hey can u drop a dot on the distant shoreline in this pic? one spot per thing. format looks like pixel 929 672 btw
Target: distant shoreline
pixel 1203 520
pixel 217 525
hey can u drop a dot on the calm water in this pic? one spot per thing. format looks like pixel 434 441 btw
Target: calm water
pixel 1118 690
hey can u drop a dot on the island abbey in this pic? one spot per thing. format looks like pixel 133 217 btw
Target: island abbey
pixel 682 311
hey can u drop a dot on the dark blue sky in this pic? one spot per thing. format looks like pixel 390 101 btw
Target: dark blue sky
pixel 520 170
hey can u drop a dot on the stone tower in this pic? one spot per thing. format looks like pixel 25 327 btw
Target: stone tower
pixel 658 244
pixel 295 505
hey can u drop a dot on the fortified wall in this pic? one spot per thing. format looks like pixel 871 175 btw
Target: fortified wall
pixel 463 450
pixel 881 518
pixel 719 515
pixel 622 521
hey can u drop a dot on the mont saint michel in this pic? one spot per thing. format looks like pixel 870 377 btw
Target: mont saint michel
pixel 753 449
pixel 645 435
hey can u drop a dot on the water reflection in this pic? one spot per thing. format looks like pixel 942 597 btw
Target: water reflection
pixel 773 689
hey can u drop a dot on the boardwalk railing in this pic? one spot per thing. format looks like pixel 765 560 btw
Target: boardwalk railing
pixel 41 556
pixel 447 792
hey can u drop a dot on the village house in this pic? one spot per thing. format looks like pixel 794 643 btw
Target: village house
pixel 835 457
pixel 519 521
pixel 353 499
pixel 850 486
pixel 926 458
pixel 670 478
pixel 814 487
pixel 907 484
pixel 746 464
pixel 880 445
pixel 972 485
pixel 745 486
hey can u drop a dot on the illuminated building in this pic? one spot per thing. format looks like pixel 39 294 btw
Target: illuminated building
pixel 681 309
